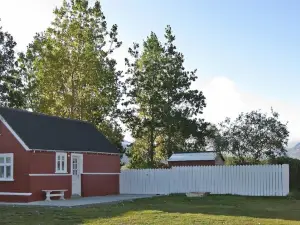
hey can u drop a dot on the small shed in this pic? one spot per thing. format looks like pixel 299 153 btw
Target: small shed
pixel 208 158
pixel 40 152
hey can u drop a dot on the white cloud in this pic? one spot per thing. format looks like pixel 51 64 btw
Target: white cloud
pixel 224 99
pixel 23 18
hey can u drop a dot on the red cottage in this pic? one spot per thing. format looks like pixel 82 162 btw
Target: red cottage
pixel 40 152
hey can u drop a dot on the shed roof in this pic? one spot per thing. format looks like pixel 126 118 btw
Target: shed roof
pixel 195 156
pixel 43 132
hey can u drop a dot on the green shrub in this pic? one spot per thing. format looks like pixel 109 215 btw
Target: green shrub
pixel 294 165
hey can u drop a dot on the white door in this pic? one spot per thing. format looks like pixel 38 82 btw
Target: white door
pixel 76 174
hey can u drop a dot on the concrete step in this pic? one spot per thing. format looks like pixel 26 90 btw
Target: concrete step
pixel 75 196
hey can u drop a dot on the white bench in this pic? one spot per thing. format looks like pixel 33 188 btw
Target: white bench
pixel 61 194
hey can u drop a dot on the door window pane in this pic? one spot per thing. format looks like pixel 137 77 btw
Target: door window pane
pixel 75 166
pixel 1 159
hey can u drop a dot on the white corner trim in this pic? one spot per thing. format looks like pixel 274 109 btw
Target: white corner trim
pixel 15 193
pixel 100 173
pixel 48 174
pixel 14 133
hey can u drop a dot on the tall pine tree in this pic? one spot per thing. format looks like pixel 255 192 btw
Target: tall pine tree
pixel 184 130
pixel 162 111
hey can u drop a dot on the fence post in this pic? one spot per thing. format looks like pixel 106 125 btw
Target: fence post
pixel 285 179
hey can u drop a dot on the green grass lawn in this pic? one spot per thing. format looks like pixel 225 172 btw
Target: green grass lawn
pixel 164 210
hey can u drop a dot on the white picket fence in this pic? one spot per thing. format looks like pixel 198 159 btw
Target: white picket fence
pixel 254 180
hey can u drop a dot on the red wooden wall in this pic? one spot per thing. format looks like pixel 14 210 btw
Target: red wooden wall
pixel 44 163
pixel 100 184
pixel 9 144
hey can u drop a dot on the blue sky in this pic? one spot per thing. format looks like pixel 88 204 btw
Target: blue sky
pixel 255 43
pixel 247 52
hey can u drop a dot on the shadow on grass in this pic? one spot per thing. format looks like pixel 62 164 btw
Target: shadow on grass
pixel 255 207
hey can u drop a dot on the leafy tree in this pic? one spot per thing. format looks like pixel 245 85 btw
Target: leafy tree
pixel 138 153
pixel 69 69
pixel 253 137
pixel 161 109
pixel 11 85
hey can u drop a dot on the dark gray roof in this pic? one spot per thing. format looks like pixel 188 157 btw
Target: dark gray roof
pixel 39 131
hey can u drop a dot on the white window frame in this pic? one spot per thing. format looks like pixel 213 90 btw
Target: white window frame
pixel 60 155
pixel 5 164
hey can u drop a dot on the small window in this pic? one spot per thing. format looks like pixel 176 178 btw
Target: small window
pixel 61 163
pixel 6 167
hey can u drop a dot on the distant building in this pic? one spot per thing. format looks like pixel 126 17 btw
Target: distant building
pixel 208 158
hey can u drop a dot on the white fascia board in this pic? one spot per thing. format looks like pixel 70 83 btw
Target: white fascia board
pixel 14 133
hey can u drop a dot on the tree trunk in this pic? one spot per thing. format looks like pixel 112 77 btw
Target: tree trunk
pixel 151 152
pixel 169 124
pixel 72 97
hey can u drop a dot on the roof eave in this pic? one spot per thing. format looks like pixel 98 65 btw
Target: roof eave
pixel 103 153
pixel 186 160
